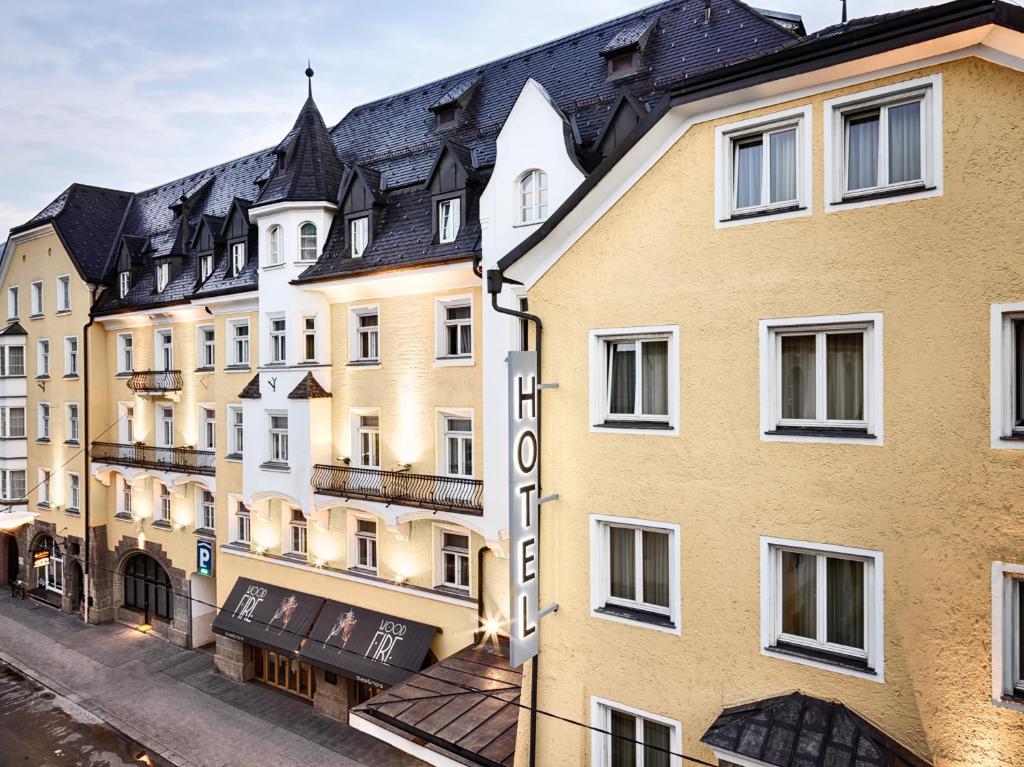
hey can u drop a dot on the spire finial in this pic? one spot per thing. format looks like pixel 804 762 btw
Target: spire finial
pixel 844 10
pixel 309 74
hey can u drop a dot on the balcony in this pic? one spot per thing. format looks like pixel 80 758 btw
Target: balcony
pixel 155 381
pixel 425 491
pixel 184 460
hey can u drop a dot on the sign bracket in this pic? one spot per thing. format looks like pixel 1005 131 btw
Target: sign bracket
pixel 547 498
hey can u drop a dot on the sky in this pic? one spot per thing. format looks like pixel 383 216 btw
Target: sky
pixel 130 94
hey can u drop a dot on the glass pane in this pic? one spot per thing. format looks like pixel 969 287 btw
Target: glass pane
pixel 623 737
pixel 844 360
pixel 799 594
pixel 453 455
pixel 748 173
pixel 1019 587
pixel 458 312
pixel 783 166
pixel 798 377
pixel 623 564
pixel 654 355
pixel 657 742
pixel 467 456
pixel 656 568
pixel 465 339
pixel 623 379
pixel 449 568
pixel 846 602
pixel 862 153
pixel 905 143
pixel 1018 372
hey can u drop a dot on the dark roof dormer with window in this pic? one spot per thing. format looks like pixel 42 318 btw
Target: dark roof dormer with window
pixel 207 245
pixel 452 177
pixel 361 196
pixel 237 233
pixel 449 107
pixel 625 51
pixel 128 263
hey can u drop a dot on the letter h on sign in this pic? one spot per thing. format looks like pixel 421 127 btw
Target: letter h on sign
pixel 523 496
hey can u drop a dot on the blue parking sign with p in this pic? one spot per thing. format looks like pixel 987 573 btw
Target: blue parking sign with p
pixel 204 557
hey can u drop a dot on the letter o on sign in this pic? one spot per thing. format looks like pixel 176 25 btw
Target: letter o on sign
pixel 531 451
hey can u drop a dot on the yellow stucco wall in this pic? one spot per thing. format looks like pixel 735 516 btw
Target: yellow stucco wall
pixel 936 499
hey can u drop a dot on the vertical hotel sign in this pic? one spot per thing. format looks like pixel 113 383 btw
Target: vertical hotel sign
pixel 523 506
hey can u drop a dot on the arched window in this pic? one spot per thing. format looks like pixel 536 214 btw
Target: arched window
pixel 276 256
pixel 51 577
pixel 147 587
pixel 307 242
pixel 533 197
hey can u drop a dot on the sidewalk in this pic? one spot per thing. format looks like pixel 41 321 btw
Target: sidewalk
pixel 171 701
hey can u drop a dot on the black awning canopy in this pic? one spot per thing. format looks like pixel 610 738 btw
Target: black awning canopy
pixel 267 616
pixel 370 647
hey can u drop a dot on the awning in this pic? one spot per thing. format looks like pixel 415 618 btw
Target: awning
pixel 267 616
pixel 365 645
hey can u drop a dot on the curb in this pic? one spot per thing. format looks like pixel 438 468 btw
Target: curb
pixel 82 708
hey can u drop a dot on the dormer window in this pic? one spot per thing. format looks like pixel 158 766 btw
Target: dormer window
pixel 448 217
pixel 622 64
pixel 359 233
pixel 205 266
pixel 163 275
pixel 237 258
pixel 307 242
pixel 446 116
pixel 124 283
pixel 276 256
pixel 533 197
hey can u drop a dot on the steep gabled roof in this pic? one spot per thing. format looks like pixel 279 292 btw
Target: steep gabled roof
pixel 252 389
pixel 14 329
pixel 370 177
pixel 309 388
pixel 463 156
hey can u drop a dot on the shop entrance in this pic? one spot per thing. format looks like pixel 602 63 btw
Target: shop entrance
pixel 283 672
pixel 9 557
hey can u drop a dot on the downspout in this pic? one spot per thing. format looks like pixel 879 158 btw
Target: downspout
pixel 495 281
pixel 86 576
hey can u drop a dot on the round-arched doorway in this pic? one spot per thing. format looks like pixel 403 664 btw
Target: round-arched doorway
pixel 147 588
pixel 10 569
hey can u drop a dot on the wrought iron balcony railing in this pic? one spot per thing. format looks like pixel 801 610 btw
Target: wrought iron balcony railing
pixel 426 491
pixel 155 381
pixel 181 459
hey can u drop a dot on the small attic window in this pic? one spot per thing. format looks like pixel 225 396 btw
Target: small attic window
pixel 124 283
pixel 447 115
pixel 623 64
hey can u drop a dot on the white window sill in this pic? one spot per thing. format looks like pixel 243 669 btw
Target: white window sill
pixel 363 364
pixel 642 428
pixel 882 197
pixel 740 218
pixel 603 615
pixel 769 652
pixel 1010 702
pixel 821 438
pixel 272 267
pixel 448 362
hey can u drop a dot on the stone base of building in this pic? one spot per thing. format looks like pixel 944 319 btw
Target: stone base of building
pixel 331 695
pixel 232 660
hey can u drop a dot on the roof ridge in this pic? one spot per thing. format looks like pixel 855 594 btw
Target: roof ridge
pixel 207 170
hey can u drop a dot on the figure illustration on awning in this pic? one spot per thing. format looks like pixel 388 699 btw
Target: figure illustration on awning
pixel 286 609
pixel 344 625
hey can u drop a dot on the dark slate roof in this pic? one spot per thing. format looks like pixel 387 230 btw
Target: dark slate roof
pixel 797 730
pixel 14 329
pixel 252 389
pixel 87 220
pixel 309 388
pixel 458 93
pixel 632 35
pixel 467 704
pixel 312 170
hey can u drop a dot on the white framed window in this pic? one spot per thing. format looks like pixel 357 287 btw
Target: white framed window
pixel 13 303
pixel 458 444
pixel 162 507
pixel 634 379
pixel 206 341
pixel 1006 394
pixel 43 358
pixel 532 197
pixel 449 220
pixel 237 257
pixel 884 144
pixel 278 430
pixel 455 330
pixel 43 491
pixel 309 339
pixel 74 493
pixel 124 497
pixel 624 736
pixel 236 430
pixel 125 353
pixel 126 425
pixel 165 349
pixel 364 334
pixel 238 351
pixel 70 356
pixel 368 440
pixel 821 379
pixel 763 168
pixel 276 253
pixel 72 433
pixel 38 305
pixel 297 533
pixel 64 293
pixel 165 425
pixel 359 236
pixel 205 266
pixel 278 340
pixel 634 572
pixel 207 428
pixel 307 242
pixel 206 517
pixel 12 361
pixel 43 420
pixel 243 524
pixel 12 422
pixel 12 484
pixel 124 283
pixel 821 605
pixel 1008 635
pixel 163 276
pixel 363 543
pixel 453 570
